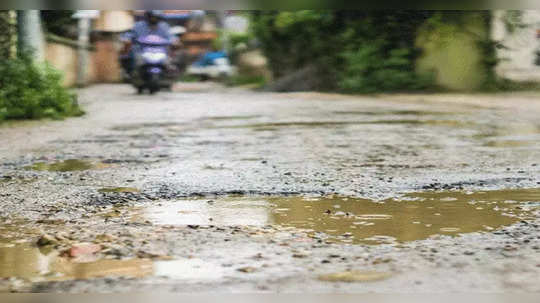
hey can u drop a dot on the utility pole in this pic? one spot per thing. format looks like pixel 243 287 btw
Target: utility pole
pixel 30 34
pixel 13 34
pixel 84 39
pixel 221 16
pixel 85 25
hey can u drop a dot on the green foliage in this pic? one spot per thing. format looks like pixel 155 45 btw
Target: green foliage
pixel 188 78
pixel 32 91
pixel 459 49
pixel 370 70
pixel 360 51
pixel 237 39
pixel 239 80
pixel 7 34
pixel 60 22
pixel 292 40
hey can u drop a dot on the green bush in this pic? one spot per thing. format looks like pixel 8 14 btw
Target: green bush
pixel 294 40
pixel 60 23
pixel 370 70
pixel 239 80
pixel 32 91
pixel 353 50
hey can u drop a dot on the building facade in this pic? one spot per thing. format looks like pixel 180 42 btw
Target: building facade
pixel 518 35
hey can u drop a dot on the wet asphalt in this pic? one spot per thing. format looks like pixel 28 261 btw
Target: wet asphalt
pixel 205 141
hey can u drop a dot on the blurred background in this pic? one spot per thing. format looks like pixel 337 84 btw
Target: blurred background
pixel 347 51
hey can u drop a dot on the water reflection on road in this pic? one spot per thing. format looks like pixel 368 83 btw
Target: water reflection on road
pixel 28 262
pixel 353 220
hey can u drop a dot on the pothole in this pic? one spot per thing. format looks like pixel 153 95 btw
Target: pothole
pixel 510 143
pixel 28 262
pixel 394 112
pixel 31 263
pixel 67 165
pixel 352 220
pixel 330 124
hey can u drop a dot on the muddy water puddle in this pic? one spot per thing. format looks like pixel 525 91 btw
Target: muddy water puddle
pixel 311 124
pixel 67 165
pixel 21 258
pixel 25 261
pixel 510 135
pixel 394 113
pixel 511 143
pixel 28 262
pixel 351 220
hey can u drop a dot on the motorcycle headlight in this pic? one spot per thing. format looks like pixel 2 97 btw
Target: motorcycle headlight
pixel 154 57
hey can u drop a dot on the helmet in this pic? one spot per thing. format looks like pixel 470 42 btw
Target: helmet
pixel 153 15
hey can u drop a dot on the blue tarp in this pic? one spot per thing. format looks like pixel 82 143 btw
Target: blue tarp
pixel 209 57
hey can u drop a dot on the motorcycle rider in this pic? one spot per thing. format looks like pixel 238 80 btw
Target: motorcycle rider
pixel 151 25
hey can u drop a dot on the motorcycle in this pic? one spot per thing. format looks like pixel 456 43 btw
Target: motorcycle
pixel 151 63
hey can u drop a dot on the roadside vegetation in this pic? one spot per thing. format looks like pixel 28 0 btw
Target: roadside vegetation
pixel 29 90
pixel 352 51
pixel 378 51
pixel 246 80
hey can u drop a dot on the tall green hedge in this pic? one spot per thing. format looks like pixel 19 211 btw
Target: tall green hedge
pixel 60 23
pixel 354 51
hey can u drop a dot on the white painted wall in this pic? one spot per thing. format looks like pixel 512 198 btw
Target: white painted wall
pixel 519 59
pixel 236 23
pixel 114 21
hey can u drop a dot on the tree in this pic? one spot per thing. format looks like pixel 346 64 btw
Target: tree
pixel 352 50
pixel 60 23
pixel 7 36
pixel 30 34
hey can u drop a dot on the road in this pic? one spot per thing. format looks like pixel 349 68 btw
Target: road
pixel 206 189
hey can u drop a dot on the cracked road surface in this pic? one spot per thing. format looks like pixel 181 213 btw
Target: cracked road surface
pixel 188 154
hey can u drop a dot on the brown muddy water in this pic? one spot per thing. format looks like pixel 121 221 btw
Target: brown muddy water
pixel 394 113
pixel 67 165
pixel 510 143
pixel 274 125
pixel 23 259
pixel 347 220
pixel 28 262
pixel 352 220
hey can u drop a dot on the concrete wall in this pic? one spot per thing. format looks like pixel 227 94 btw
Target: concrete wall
pixel 519 55
pixel 64 58
pixel 103 65
pixel 114 21
pixel 105 59
pixel 108 27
